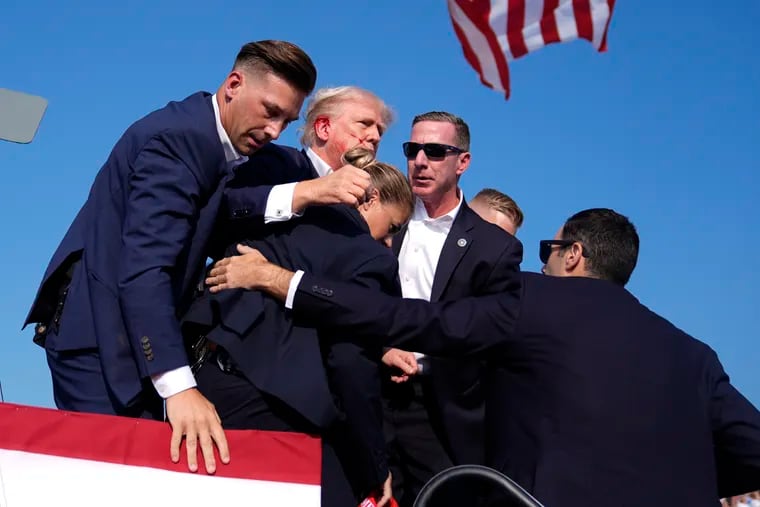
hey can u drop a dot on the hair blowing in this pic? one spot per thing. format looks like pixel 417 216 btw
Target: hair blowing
pixel 282 58
pixel 391 185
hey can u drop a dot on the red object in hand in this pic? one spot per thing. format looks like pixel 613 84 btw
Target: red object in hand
pixel 372 501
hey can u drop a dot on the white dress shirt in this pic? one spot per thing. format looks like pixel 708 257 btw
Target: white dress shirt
pixel 420 251
pixel 175 381
pixel 418 258
pixel 280 202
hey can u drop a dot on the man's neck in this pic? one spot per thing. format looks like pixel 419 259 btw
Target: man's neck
pixel 437 206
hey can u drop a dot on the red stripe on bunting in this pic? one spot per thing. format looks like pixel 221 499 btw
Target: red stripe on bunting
pixel 260 455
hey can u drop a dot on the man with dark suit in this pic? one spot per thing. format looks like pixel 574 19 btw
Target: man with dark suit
pixel 106 310
pixel 336 120
pixel 590 394
pixel 434 417
pixel 274 377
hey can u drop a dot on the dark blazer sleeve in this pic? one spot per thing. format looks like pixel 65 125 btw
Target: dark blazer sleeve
pixel 736 435
pixel 247 193
pixel 469 326
pixel 165 190
pixel 354 372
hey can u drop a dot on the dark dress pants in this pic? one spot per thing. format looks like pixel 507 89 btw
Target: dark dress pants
pixel 416 452
pixel 79 386
pixel 241 405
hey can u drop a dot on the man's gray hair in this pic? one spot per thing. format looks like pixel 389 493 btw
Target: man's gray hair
pixel 328 102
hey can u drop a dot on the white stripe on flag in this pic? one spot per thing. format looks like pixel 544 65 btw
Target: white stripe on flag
pixel 565 16
pixel 534 39
pixel 600 13
pixel 479 46
pixel 497 20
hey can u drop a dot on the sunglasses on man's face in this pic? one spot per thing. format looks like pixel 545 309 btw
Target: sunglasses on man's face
pixel 432 150
pixel 545 247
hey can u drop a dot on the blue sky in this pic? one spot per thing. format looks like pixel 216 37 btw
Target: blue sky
pixel 663 128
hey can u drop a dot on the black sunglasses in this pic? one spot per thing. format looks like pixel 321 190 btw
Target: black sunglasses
pixel 432 150
pixel 545 248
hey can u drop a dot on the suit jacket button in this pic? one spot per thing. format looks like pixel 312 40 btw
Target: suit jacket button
pixel 149 356
pixel 145 339
pixel 146 345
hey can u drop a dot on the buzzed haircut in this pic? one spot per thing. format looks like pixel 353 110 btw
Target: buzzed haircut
pixel 501 202
pixel 460 126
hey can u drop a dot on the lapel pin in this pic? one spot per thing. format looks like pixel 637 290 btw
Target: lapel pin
pixel 462 242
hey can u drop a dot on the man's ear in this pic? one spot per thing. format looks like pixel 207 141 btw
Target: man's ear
pixel 233 84
pixel 322 128
pixel 573 258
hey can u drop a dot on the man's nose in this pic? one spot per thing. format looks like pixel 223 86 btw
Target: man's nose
pixel 373 135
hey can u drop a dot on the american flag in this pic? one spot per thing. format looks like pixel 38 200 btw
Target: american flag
pixel 494 32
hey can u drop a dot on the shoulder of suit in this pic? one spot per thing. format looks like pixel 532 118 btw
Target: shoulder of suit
pixel 190 121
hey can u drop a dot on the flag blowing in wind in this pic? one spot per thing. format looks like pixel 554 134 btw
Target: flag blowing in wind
pixel 494 32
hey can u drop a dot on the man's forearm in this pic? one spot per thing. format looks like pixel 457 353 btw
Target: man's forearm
pixel 276 281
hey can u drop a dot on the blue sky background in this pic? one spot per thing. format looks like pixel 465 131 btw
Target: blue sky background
pixel 663 128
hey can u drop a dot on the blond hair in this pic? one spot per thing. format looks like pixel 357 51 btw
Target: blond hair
pixel 391 184
pixel 501 202
pixel 329 102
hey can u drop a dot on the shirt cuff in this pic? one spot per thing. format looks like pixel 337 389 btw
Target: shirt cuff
pixel 280 203
pixel 172 382
pixel 293 288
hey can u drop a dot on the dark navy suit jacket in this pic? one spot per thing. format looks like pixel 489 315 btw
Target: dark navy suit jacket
pixel 590 395
pixel 141 239
pixel 477 258
pixel 285 358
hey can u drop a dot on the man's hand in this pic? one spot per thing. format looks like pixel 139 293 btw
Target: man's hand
pixel 387 491
pixel 251 271
pixel 239 272
pixel 346 185
pixel 194 418
pixel 404 361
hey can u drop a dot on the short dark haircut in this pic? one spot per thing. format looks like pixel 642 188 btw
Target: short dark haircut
pixel 610 243
pixel 462 130
pixel 282 58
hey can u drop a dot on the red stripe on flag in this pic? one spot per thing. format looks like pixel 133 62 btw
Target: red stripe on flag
pixel 549 22
pixel 469 54
pixel 478 11
pixel 583 20
pixel 603 45
pixel 515 25
pixel 260 455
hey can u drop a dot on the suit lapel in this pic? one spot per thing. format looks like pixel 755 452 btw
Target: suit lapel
pixel 398 240
pixel 458 241
pixel 313 169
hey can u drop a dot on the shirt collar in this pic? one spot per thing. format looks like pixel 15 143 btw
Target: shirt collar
pixel 420 213
pixel 230 153
pixel 319 165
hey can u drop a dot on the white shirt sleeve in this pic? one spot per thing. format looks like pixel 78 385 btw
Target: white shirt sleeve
pixel 172 382
pixel 292 288
pixel 280 204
